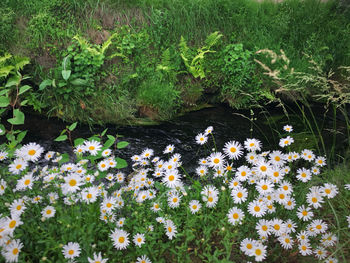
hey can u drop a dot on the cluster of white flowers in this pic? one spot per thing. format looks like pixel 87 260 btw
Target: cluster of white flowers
pixel 258 189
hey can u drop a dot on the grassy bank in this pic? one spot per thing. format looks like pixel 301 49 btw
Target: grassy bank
pixel 154 59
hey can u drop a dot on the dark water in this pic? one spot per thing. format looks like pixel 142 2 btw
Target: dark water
pixel 228 125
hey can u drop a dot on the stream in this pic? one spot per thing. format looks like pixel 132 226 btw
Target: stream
pixel 181 131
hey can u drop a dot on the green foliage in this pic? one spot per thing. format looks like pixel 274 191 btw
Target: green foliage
pixel 161 96
pixel 7 28
pixel 194 60
pixel 241 87
pixel 44 29
pixel 11 86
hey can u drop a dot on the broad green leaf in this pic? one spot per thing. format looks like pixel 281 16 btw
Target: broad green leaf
pixel 72 126
pixel 2 129
pixel 5 71
pixel 108 143
pixel 4 91
pixel 78 141
pixel 110 137
pixel 121 163
pixel 21 136
pixel 65 158
pixel 13 81
pixel 122 144
pixel 104 132
pixel 61 138
pixel 24 89
pixel 79 82
pixel 4 101
pixel 45 83
pixel 24 102
pixel 18 118
pixel 66 74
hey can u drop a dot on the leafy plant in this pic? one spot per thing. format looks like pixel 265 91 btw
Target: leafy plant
pixel 161 96
pixel 11 87
pixel 193 60
pixel 241 86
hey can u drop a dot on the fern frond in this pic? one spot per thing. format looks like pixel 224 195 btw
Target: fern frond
pixel 212 39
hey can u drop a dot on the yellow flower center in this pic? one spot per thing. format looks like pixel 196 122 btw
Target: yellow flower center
pixel 31 152
pixel 263 168
pixel 72 182
pixel 210 199
pixel 264 227
pixel 264 187
pixel 277 158
pixel 48 212
pixel 235 216
pixel 276 227
pixel 91 148
pixel 171 178
pixel 314 200
pixel 239 195
pixel 12 223
pixel 121 239
pixel 194 207
pixel 27 182
pixel 258 252
pixel 15 251
pixel 18 166
pixel 109 205
pixel 249 246
pixel 233 149
pixel 256 208
pixel 216 160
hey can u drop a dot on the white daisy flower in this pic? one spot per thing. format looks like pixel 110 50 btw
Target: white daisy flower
pixel 169 149
pixel 170 229
pixel 201 139
pixel 286 141
pixel 288 128
pixel 239 195
pixel 30 152
pixel 11 251
pixel 233 149
pixel 195 206
pixel 139 239
pixel 235 215
pixel 71 250
pixel 48 212
pixel 252 145
pixel 97 258
pixel 243 172
pixel 286 241
pixel 143 259
pixel 256 208
pixel 93 147
pixel 120 238
pixel 305 249
pixel 17 166
pixel 216 160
